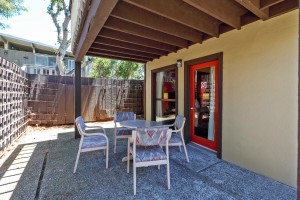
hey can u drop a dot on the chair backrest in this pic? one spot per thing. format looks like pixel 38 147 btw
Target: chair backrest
pixel 152 136
pixel 179 122
pixel 80 125
pixel 123 116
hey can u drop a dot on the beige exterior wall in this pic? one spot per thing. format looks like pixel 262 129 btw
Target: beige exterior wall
pixel 260 66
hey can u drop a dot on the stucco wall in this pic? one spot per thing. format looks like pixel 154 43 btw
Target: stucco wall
pixel 260 66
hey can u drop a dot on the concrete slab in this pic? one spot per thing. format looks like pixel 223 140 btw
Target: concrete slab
pixel 205 177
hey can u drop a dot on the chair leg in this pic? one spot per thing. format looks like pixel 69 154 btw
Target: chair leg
pixel 158 167
pixel 115 147
pixel 134 179
pixel 186 155
pixel 168 174
pixel 128 155
pixel 77 159
pixel 180 149
pixel 107 153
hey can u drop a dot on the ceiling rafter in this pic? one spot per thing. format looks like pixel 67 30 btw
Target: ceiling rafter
pixel 114 57
pixel 122 50
pixel 226 11
pixel 121 55
pixel 188 16
pixel 108 33
pixel 145 18
pixel 127 45
pixel 254 7
pixel 134 29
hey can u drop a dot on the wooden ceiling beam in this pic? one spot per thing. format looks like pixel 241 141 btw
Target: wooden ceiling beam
pixel 109 33
pixel 145 18
pixel 119 55
pixel 122 50
pixel 226 11
pixel 134 29
pixel 114 57
pixel 182 13
pixel 254 7
pixel 268 3
pixel 96 17
pixel 126 45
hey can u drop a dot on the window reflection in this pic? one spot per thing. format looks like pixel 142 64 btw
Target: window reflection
pixel 165 93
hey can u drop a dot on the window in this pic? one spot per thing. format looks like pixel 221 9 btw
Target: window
pixel 53 72
pixel 71 64
pixel 52 61
pixel 164 95
pixel 41 60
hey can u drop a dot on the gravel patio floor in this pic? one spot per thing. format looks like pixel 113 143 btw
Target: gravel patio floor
pixel 41 167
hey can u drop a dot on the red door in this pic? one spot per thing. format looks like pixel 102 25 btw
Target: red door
pixel 204 104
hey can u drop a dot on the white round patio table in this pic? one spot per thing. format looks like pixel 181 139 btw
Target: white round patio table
pixel 139 123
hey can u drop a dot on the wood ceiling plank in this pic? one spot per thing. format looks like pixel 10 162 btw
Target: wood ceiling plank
pixel 145 18
pixel 226 11
pixel 268 3
pixel 283 7
pixel 254 7
pixel 109 33
pixel 126 45
pixel 122 50
pixel 114 57
pixel 120 55
pixel 181 13
pixel 134 29
pixel 99 12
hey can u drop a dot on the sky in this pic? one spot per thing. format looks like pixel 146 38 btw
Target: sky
pixel 35 25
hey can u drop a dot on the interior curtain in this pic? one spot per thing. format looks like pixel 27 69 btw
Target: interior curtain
pixel 159 92
pixel 211 105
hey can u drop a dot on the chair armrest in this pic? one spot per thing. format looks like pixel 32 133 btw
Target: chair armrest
pixel 176 131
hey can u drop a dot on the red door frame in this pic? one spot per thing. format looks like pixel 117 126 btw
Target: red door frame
pixel 202 141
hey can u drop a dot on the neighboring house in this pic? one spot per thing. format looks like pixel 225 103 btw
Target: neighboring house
pixel 33 57
pixel 230 67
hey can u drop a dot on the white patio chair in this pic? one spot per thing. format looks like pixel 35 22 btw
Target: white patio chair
pixel 122 132
pixel 177 135
pixel 147 150
pixel 91 141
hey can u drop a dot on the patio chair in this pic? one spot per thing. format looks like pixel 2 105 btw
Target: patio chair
pixel 91 141
pixel 146 150
pixel 177 135
pixel 122 132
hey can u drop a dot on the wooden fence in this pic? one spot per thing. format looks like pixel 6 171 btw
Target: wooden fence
pixel 51 99
pixel 13 103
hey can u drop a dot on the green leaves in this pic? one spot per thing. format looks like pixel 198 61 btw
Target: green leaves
pixel 108 68
pixel 10 8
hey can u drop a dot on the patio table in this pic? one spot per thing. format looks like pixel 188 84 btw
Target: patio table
pixel 138 123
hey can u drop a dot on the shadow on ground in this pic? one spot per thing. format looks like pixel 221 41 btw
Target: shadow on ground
pixel 44 170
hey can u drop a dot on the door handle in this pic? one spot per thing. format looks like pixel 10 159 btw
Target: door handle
pixel 192 108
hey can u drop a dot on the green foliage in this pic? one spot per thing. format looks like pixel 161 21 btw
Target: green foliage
pixel 10 8
pixel 109 68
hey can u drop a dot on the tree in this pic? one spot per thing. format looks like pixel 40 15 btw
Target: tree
pixel 109 68
pixel 10 8
pixel 55 10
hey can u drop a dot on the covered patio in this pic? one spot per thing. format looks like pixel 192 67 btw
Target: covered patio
pixel 41 167
pixel 253 44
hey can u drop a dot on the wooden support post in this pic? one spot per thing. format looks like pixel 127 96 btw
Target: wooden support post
pixel 77 91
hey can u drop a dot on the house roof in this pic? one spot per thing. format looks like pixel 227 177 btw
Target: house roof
pixel 28 45
pixel 143 30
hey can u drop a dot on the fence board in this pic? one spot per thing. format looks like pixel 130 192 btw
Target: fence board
pixel 100 98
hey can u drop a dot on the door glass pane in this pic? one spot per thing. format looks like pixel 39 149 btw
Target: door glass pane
pixel 165 95
pixel 205 103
